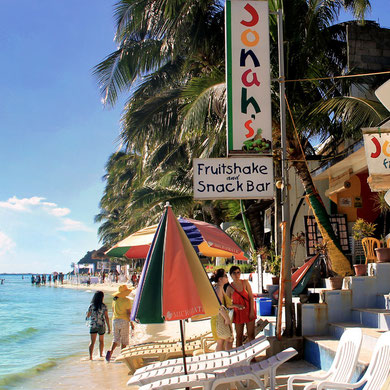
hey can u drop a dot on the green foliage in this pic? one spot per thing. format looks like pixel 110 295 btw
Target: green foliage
pixel 271 261
pixel 362 229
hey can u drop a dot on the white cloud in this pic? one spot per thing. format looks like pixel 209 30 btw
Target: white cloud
pixel 28 205
pixel 6 244
pixel 70 225
pixel 59 211
pixel 24 204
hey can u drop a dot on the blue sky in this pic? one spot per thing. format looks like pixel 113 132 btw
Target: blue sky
pixel 55 134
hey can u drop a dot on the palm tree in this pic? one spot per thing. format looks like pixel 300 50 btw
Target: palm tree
pixel 171 58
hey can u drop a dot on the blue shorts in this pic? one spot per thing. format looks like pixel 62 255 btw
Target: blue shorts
pixel 100 329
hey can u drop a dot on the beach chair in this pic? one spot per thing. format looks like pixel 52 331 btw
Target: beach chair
pixel 203 338
pixel 136 359
pixel 202 357
pixel 376 373
pixel 241 358
pixel 255 372
pixel 343 364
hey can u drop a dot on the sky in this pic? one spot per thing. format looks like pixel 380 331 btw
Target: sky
pixel 56 136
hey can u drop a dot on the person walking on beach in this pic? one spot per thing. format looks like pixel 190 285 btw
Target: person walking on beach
pixel 240 292
pixel 121 309
pixel 98 316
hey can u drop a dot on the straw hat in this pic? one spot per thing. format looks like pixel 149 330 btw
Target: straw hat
pixel 123 291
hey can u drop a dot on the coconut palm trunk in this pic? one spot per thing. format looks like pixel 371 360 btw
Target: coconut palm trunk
pixel 339 263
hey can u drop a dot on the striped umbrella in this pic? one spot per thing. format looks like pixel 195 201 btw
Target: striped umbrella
pixel 207 239
pixel 173 284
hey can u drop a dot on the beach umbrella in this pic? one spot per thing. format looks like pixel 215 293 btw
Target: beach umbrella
pixel 207 239
pixel 173 284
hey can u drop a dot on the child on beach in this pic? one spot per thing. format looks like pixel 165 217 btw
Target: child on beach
pixel 98 316
pixel 121 309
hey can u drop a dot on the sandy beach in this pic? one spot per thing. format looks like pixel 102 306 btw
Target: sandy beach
pixel 81 373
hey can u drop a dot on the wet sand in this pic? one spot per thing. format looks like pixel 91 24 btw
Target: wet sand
pixel 81 373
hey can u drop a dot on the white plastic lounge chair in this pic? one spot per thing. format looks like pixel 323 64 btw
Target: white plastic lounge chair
pixel 136 359
pixel 167 343
pixel 343 364
pixel 376 373
pixel 209 381
pixel 241 358
pixel 202 357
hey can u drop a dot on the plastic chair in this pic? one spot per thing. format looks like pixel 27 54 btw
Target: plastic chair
pixel 200 358
pixel 343 364
pixel 241 358
pixel 376 373
pixel 369 245
pixel 209 381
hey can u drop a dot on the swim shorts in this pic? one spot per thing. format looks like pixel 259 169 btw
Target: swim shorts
pixel 121 331
pixel 99 329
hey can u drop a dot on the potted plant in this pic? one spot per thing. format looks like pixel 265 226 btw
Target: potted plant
pixel 360 230
pixel 383 253
pixel 335 280
pixel 272 263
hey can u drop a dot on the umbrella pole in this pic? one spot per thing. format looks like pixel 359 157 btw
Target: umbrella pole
pixel 183 346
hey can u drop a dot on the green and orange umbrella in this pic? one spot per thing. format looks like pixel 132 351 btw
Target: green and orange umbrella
pixel 173 283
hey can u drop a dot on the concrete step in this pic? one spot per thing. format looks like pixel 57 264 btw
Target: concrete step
pixel 320 351
pixel 383 301
pixel 370 335
pixel 372 317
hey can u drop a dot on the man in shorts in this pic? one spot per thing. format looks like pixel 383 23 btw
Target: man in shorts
pixel 121 309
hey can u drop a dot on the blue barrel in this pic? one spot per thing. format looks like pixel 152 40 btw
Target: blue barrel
pixel 264 307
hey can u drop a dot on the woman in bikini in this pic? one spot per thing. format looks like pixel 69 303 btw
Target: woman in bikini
pixel 240 292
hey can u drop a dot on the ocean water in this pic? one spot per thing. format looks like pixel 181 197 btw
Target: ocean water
pixel 40 326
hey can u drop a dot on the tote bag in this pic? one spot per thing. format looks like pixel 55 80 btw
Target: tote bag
pixel 224 331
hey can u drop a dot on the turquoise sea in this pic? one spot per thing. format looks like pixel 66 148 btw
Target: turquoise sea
pixel 41 326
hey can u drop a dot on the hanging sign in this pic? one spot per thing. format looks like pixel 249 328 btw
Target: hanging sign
pixel 377 148
pixel 233 178
pixel 249 126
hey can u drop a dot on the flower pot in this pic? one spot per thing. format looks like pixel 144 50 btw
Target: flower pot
pixel 336 282
pixel 360 269
pixel 275 280
pixel 383 255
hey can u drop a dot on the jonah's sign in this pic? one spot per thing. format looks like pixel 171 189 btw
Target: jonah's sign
pixel 377 148
pixel 235 178
pixel 249 126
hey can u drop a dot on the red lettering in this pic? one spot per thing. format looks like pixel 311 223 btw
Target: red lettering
pixel 249 128
pixel 253 13
pixel 378 148
pixel 244 79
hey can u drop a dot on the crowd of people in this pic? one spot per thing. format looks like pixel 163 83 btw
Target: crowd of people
pixel 237 297
pixel 43 279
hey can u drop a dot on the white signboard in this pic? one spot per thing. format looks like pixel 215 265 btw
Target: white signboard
pixel 249 126
pixel 377 147
pixel 233 178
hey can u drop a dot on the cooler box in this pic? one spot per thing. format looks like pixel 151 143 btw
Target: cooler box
pixel 264 306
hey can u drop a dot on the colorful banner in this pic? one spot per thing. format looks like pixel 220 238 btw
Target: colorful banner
pixel 249 126
pixel 377 147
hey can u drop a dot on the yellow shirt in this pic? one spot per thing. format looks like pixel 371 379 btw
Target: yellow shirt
pixel 120 307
